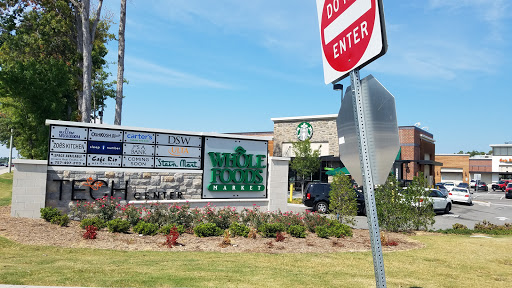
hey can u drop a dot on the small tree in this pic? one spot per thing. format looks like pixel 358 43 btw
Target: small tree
pixel 401 209
pixel 423 205
pixel 306 161
pixel 342 199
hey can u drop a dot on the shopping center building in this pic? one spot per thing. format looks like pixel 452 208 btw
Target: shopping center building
pixel 417 146
pixel 488 168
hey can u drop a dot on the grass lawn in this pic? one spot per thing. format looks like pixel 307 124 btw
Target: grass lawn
pixel 5 189
pixel 446 261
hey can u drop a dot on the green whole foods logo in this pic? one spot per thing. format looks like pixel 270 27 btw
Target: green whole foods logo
pixel 304 131
pixel 237 171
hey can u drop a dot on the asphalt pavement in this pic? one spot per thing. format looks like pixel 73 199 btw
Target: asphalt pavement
pixel 490 206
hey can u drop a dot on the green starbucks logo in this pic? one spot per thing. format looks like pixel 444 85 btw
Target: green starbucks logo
pixel 304 131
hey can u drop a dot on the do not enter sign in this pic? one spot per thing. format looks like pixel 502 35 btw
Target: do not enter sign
pixel 352 35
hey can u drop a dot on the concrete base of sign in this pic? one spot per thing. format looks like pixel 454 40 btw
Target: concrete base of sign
pixel 37 185
pixel 28 188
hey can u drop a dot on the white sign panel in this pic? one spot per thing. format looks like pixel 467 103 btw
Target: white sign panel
pixel 178 140
pixel 103 160
pixel 67 159
pixel 71 133
pixel 105 135
pixel 177 163
pixel 138 161
pixel 352 35
pixel 178 151
pixel 59 145
pixel 235 168
pixel 138 149
pixel 139 137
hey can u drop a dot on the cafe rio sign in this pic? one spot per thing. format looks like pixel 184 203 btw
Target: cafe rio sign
pixel 235 168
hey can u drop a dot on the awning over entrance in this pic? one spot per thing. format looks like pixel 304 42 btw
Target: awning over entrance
pixel 451 170
pixel 421 162
pixel 334 171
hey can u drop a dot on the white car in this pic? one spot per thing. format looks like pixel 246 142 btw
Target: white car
pixel 449 186
pixel 458 194
pixel 440 202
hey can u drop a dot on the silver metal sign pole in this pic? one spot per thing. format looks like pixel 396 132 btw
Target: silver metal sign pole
pixel 366 171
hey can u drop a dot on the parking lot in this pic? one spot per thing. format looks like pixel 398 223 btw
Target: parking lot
pixel 490 206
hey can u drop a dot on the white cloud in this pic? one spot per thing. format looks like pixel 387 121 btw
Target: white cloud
pixel 287 27
pixel 439 60
pixel 493 12
pixel 144 71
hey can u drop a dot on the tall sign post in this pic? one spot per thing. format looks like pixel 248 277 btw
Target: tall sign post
pixel 352 35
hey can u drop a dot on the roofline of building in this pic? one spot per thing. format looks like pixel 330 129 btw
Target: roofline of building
pixel 418 128
pixel 313 117
pixel 500 145
pixel 452 154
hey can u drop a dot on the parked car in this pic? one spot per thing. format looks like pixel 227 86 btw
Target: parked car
pixel 501 185
pixel 463 185
pixel 441 188
pixel 458 194
pixel 449 186
pixel 472 183
pixel 508 195
pixel 440 201
pixel 317 196
pixel 482 186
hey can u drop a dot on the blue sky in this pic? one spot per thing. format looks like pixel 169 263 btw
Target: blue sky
pixel 230 66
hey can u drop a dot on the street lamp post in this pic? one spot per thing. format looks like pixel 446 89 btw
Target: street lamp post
pixel 10 152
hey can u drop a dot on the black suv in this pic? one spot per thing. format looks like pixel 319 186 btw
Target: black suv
pixel 317 196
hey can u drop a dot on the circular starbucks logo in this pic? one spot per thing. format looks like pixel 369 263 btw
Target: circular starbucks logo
pixel 304 131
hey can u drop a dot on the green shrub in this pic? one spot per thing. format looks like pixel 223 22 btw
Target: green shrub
pixel 62 220
pixel 297 231
pixel 342 199
pixel 404 209
pixel 131 213
pixel 338 230
pixel 118 225
pixel 48 213
pixel 458 226
pixel 322 231
pixel 313 220
pixel 167 228
pixel 145 228
pixel 237 229
pixel 207 230
pixel 269 230
pixel 96 222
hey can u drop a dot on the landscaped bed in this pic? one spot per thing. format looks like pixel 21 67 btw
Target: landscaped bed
pixel 40 232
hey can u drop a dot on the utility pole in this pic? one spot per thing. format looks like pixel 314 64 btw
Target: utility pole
pixel 10 152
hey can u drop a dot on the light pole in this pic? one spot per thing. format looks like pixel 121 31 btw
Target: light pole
pixel 10 152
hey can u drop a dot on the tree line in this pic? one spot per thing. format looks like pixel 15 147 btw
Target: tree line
pixel 52 66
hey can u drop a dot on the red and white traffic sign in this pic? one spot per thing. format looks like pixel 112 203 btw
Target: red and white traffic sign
pixel 352 35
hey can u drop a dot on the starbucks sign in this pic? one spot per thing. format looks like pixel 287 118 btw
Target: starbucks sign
pixel 304 131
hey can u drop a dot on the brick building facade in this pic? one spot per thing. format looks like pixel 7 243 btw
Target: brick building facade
pixel 417 146
pixel 417 153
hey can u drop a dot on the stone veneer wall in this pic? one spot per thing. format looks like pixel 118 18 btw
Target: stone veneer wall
pixel 324 129
pixel 34 187
pixel 189 184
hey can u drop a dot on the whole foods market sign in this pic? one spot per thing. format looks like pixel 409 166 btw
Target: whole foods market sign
pixel 235 168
